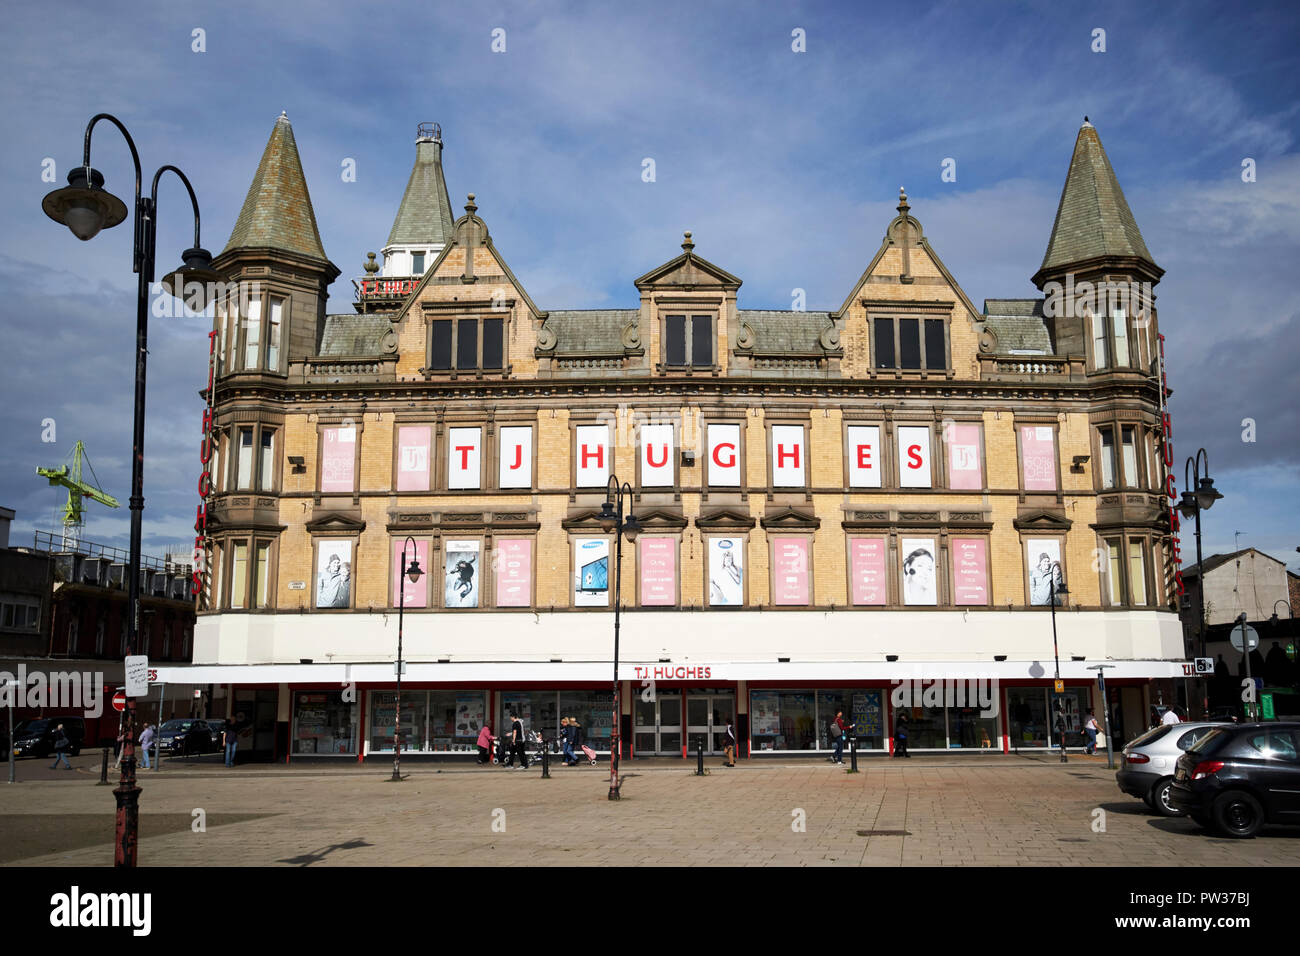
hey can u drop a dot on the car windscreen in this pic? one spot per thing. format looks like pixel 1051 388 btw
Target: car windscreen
pixel 176 725
pixel 35 727
pixel 1151 736
pixel 1210 742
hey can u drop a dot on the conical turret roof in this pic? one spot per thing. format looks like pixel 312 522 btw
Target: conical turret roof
pixel 1093 219
pixel 424 217
pixel 277 211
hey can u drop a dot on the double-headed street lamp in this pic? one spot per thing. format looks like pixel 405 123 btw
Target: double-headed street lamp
pixel 413 572
pixel 1058 590
pixel 612 520
pixel 85 207
pixel 1199 495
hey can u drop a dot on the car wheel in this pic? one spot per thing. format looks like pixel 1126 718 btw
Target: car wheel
pixel 1148 800
pixel 1238 814
pixel 1160 799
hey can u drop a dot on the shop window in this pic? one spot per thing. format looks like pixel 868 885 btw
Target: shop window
pixel 688 343
pixel 323 723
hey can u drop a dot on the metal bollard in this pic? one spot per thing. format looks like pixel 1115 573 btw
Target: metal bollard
pixel 699 756
pixel 546 761
pixel 853 754
pixel 103 768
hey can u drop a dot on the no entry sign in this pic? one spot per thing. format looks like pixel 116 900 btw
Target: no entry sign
pixel 119 702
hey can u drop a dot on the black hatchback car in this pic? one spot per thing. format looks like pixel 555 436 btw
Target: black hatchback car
pixel 1236 779
pixel 184 737
pixel 35 738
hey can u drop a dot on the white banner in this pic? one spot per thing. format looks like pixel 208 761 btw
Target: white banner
pixel 724 456
pixel 656 456
pixel 787 456
pixel 516 468
pixel 864 456
pixel 463 455
pixel 914 457
pixel 591 456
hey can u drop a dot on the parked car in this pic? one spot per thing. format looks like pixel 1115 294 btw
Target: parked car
pixel 1238 778
pixel 35 738
pixel 185 737
pixel 1146 765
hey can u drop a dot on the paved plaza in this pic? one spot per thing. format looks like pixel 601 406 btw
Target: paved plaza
pixel 929 810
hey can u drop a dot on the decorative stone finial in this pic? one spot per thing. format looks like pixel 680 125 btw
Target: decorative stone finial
pixel 371 266
pixel 687 244
pixel 903 207
pixel 470 207
pixel 1086 123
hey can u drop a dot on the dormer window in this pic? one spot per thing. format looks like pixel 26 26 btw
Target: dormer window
pixel 417 263
pixel 474 343
pixel 688 341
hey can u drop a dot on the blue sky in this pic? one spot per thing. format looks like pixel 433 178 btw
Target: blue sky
pixel 785 166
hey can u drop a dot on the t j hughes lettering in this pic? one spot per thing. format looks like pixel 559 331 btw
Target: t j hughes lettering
pixel 678 672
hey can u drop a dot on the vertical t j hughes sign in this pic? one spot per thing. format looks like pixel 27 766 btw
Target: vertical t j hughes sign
pixel 591 456
pixel 787 456
pixel 724 456
pixel 463 457
pixel 516 457
pixel 864 456
pixel 656 456
pixel 914 456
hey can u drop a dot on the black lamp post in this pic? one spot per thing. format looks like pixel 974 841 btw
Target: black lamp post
pixel 1059 590
pixel 85 207
pixel 1199 495
pixel 413 572
pixel 613 521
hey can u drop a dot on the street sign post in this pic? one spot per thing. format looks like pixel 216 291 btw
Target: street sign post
pixel 1251 637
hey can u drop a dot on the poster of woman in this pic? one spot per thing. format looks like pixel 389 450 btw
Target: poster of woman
pixel 919 571
pixel 1043 555
pixel 726 572
pixel 461 583
pixel 334 574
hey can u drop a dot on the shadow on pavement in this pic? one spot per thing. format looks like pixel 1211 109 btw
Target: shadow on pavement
pixel 307 859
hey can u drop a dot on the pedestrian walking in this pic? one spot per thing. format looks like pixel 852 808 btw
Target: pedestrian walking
pixel 485 744
pixel 900 736
pixel 1090 728
pixel 729 746
pixel 230 739
pixel 837 730
pixel 1171 716
pixel 117 748
pixel 517 742
pixel 61 745
pixel 146 741
pixel 566 741
pixel 575 740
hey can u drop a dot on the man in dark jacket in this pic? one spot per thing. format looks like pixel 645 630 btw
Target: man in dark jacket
pixel 900 736
pixel 838 730
pixel 517 742
pixel 61 745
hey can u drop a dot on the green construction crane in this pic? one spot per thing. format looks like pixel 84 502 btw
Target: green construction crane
pixel 69 476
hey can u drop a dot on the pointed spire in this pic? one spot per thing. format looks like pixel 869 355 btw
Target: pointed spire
pixel 1093 219
pixel 277 212
pixel 424 217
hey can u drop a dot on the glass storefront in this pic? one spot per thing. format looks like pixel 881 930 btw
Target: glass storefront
pixel 433 721
pixel 542 710
pixel 323 723
pixel 950 728
pixel 798 720
pixel 1032 716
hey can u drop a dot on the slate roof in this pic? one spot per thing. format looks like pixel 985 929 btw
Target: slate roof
pixel 1018 325
pixel 277 211
pixel 590 331
pixel 1218 560
pixel 425 216
pixel 1093 219
pixel 354 335
pixel 785 331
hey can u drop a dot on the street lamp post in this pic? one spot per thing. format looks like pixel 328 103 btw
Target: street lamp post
pixel 12 688
pixel 85 207
pixel 1199 494
pixel 413 572
pixel 1243 623
pixel 1059 590
pixel 612 520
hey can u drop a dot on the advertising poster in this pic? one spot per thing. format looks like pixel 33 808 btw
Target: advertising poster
pixel 461 566
pixel 724 456
pixel 463 451
pixel 591 572
pixel 469 715
pixel 867 563
pixel 970 579
pixel 334 574
pixel 414 595
pixel 867 715
pixel 413 442
pixel 787 456
pixel 656 456
pixel 514 572
pixel 726 572
pixel 521 706
pixel 1043 558
pixel 657 560
pixel 864 456
pixel 1038 452
pixel 764 714
pixel 914 456
pixel 964 470
pixel 919 580
pixel 338 459
pixel 790 571
pixel 516 469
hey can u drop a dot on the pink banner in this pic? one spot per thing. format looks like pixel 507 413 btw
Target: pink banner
pixel 416 595
pixel 514 571
pixel 1038 452
pixel 413 458
pixel 867 563
pixel 338 459
pixel 964 470
pixel 790 571
pixel 970 575
pixel 658 563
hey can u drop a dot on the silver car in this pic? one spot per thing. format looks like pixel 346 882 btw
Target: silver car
pixel 1147 764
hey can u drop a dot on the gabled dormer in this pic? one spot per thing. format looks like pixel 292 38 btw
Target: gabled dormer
pixel 688 315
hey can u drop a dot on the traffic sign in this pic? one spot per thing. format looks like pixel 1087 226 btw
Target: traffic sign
pixel 119 702
pixel 1251 637
pixel 1060 687
pixel 1205 665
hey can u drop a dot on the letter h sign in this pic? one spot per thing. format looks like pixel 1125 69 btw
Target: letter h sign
pixel 788 454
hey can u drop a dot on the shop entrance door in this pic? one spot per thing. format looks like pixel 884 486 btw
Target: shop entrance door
pixel 658 727
pixel 707 716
